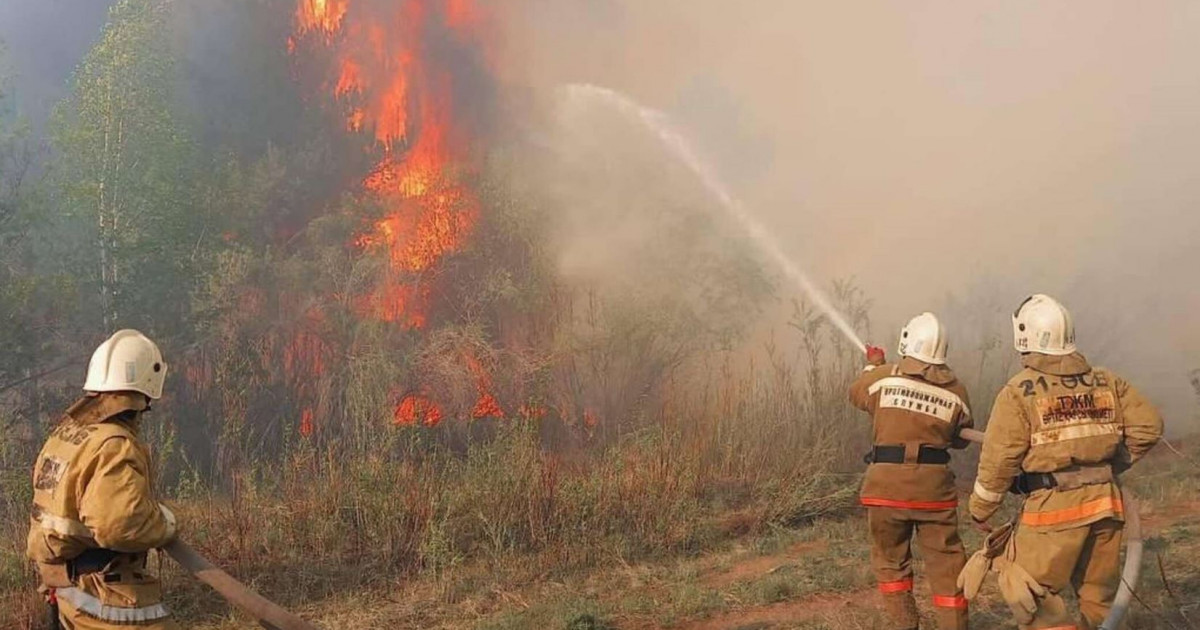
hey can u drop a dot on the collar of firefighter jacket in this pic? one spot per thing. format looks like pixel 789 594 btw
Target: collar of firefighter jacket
pixel 1067 365
pixel 936 374
pixel 97 408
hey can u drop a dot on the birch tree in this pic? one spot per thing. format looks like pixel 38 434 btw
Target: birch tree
pixel 126 172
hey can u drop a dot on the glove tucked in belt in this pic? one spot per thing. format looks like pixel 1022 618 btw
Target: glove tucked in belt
pixel 894 454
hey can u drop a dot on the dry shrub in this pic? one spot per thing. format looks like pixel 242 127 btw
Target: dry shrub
pixel 709 469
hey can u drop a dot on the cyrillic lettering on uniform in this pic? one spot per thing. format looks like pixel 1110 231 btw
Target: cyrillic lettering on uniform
pixel 1095 406
pixel 1075 416
pixel 49 473
pixel 910 395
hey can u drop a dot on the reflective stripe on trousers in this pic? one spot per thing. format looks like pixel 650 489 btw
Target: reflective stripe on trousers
pixel 1076 513
pixel 94 607
pixel 899 586
pixel 928 506
pixel 948 601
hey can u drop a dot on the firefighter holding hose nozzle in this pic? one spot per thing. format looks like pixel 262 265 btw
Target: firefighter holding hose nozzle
pixel 918 407
pixel 94 513
pixel 1060 433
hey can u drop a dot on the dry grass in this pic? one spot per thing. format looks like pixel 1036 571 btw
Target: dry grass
pixel 421 509
pixel 725 511
pixel 811 575
pixel 18 604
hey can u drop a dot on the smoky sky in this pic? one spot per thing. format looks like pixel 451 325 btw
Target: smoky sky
pixel 44 41
pixel 947 156
pixel 938 152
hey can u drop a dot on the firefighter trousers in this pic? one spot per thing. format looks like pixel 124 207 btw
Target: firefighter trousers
pixel 1087 558
pixel 936 532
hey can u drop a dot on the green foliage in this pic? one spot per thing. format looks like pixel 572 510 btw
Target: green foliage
pixel 31 300
pixel 15 288
pixel 125 174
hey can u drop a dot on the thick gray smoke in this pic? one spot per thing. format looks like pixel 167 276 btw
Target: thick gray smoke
pixel 949 157
pixel 44 41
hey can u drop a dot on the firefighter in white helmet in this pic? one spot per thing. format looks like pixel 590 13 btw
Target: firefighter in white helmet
pixel 918 407
pixel 95 516
pixel 1059 434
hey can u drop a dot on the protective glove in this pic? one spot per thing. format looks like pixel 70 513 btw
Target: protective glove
pixel 876 355
pixel 1020 591
pixel 970 579
pixel 997 540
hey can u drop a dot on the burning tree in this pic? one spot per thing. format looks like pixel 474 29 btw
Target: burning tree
pixel 376 303
pixel 383 269
pixel 396 70
pixel 391 70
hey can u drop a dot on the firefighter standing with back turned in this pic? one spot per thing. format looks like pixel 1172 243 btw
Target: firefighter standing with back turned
pixel 918 407
pixel 1060 432
pixel 94 514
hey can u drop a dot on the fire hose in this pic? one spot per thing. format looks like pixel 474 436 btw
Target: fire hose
pixel 268 614
pixel 1133 549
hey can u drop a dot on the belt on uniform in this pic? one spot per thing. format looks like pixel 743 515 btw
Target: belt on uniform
pixel 91 561
pixel 1066 479
pixel 894 454
pixel 1025 483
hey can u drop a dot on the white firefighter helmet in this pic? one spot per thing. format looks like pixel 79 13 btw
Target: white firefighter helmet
pixel 924 339
pixel 127 362
pixel 1042 325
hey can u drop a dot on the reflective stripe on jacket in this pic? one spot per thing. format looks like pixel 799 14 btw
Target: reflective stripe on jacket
pixel 1057 414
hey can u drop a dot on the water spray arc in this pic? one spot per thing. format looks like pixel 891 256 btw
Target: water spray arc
pixel 660 125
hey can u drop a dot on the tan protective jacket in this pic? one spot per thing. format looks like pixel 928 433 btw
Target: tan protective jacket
pixel 912 404
pixel 1061 415
pixel 92 485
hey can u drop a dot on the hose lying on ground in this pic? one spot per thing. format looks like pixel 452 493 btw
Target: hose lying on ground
pixel 1133 549
pixel 268 614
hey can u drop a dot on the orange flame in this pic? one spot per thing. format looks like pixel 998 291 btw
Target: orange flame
pixel 306 423
pixel 396 92
pixel 350 79
pixel 487 406
pixel 323 15
pixel 393 89
pixel 416 409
